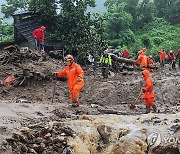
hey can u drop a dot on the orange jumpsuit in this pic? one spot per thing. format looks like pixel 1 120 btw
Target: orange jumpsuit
pixel 162 55
pixel 142 59
pixel 72 73
pixel 150 63
pixel 148 95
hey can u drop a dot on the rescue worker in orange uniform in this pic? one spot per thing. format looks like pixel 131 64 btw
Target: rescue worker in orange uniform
pixel 172 59
pixel 38 35
pixel 148 92
pixel 142 58
pixel 162 57
pixel 150 63
pixel 75 77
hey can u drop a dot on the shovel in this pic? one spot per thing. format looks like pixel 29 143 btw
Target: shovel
pixel 133 105
pixel 54 90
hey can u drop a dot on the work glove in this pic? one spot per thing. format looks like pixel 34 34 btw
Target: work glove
pixel 79 79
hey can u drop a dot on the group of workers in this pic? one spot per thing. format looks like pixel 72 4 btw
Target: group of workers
pixel 75 74
pixel 170 57
pixel 147 64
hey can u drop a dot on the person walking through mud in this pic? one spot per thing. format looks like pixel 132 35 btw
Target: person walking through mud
pixel 162 57
pixel 105 63
pixel 172 59
pixel 38 35
pixel 150 63
pixel 75 77
pixel 148 92
pixel 142 58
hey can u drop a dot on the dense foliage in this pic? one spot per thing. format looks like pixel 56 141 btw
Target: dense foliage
pixel 6 32
pixel 126 23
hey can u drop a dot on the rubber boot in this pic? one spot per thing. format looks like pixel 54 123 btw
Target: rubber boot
pixel 147 109
pixel 76 103
pixel 154 108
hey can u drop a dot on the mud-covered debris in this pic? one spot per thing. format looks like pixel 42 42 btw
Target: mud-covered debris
pixel 68 131
pixel 94 105
pixel 25 130
pixel 123 132
pixel 163 150
pixel 40 139
pixel 129 145
pixel 156 120
pixel 48 135
pixel 104 132
pixel 20 100
pixel 175 127
pixel 146 120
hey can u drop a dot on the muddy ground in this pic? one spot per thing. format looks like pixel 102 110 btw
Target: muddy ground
pixel 48 100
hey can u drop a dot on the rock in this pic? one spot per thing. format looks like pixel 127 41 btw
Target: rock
pixel 94 105
pixel 32 151
pixel 24 148
pixel 156 120
pixel 68 131
pixel 22 101
pixel 39 140
pixel 58 139
pixel 147 120
pixel 25 130
pixel 41 147
pixel 104 132
pixel 35 147
pixel 48 135
pixel 175 127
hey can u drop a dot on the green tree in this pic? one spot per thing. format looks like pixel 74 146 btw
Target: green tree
pixel 141 11
pixel 77 29
pixel 118 26
pixel 46 10
pixel 145 13
pixel 169 10
pixel 6 31
pixel 13 6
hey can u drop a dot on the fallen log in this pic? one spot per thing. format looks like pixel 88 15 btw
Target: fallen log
pixel 123 60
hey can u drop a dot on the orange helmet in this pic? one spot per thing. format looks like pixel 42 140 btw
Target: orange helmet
pixel 43 28
pixel 69 57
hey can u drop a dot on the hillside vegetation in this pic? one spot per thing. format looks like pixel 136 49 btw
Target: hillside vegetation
pixel 84 26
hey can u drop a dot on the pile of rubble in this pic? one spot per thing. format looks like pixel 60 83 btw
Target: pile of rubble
pixel 43 139
pixel 21 66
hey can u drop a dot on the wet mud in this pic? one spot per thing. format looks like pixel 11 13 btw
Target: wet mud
pixel 38 118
